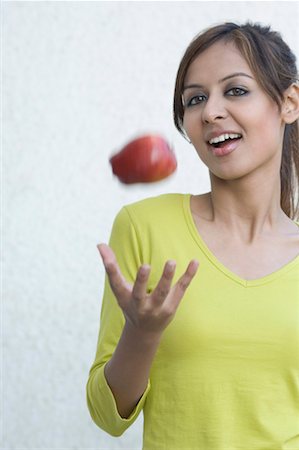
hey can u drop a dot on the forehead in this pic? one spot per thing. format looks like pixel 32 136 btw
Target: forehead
pixel 215 63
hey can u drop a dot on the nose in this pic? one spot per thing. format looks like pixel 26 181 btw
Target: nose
pixel 213 110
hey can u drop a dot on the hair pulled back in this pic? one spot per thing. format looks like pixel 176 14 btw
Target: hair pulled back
pixel 274 65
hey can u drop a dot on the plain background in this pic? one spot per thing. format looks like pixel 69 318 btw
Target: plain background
pixel 80 79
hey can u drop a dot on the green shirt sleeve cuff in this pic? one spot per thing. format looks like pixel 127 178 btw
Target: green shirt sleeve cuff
pixel 104 410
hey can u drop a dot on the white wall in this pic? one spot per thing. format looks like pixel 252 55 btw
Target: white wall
pixel 78 80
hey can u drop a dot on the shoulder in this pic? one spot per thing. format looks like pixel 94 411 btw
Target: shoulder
pixel 153 214
pixel 160 205
pixel 150 221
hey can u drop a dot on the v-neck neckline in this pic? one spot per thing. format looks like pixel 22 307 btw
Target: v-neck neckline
pixel 214 260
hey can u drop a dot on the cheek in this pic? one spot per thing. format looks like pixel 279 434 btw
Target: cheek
pixel 264 119
pixel 186 124
pixel 192 124
pixel 267 130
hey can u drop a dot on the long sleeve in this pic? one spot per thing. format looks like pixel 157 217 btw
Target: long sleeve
pixel 101 404
pixel 227 359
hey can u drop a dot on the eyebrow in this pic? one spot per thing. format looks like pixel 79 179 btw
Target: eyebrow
pixel 237 74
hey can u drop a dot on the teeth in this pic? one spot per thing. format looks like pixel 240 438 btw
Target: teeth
pixel 223 137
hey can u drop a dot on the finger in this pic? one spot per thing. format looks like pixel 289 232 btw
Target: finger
pixel 139 288
pixel 106 252
pixel 163 287
pixel 183 283
pixel 118 284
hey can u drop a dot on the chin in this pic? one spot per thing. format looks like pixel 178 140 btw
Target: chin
pixel 228 175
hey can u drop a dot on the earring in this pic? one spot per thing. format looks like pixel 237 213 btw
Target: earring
pixel 187 138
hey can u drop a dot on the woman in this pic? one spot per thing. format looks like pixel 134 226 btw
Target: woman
pixel 211 353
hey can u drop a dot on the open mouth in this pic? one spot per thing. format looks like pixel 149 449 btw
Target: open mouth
pixel 223 140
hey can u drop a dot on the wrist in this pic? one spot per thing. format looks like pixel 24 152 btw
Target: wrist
pixel 141 336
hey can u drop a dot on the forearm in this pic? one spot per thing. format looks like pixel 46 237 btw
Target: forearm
pixel 127 372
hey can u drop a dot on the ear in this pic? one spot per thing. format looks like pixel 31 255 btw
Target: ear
pixel 290 106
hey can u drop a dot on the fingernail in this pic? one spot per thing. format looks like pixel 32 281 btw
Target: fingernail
pixel 144 269
pixel 196 263
pixel 171 264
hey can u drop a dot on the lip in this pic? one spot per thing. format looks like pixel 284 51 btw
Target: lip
pixel 218 132
pixel 228 148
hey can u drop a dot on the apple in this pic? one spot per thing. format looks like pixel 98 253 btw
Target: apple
pixel 145 159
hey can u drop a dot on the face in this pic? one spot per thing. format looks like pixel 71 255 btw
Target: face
pixel 223 102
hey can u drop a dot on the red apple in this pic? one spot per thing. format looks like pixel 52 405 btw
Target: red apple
pixel 146 159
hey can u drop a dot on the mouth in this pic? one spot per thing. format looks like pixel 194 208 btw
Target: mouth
pixel 224 144
pixel 219 141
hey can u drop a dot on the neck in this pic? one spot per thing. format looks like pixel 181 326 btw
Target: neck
pixel 247 208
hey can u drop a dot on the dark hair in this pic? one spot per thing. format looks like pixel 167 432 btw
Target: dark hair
pixel 274 65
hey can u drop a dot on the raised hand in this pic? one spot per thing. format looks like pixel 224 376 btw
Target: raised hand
pixel 148 312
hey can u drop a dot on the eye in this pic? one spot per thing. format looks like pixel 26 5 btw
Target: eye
pixel 195 100
pixel 236 92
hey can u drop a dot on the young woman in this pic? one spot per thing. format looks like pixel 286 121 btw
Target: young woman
pixel 211 353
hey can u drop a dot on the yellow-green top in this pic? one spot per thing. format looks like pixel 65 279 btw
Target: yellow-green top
pixel 226 374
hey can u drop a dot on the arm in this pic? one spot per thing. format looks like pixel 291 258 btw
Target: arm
pixel 127 372
pixel 147 315
pixel 126 344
